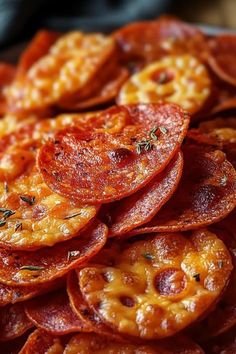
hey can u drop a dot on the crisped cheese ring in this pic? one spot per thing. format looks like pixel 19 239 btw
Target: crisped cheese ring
pixel 86 343
pixel 71 64
pixel 175 79
pixel 40 217
pixel 160 285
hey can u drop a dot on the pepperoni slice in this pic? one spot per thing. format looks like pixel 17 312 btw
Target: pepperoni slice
pixel 103 90
pixel 150 40
pixel 37 48
pixel 93 343
pixel 13 294
pixel 40 342
pixel 140 207
pixel 70 65
pixel 31 215
pixel 176 79
pixel 53 314
pixel 223 317
pixel 13 322
pixel 31 268
pixel 159 285
pixel 205 195
pixel 32 133
pixel 222 57
pixel 91 320
pixel 218 132
pixel 105 167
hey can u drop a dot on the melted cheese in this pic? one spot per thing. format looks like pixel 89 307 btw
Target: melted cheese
pixel 70 64
pixel 176 79
pixel 159 286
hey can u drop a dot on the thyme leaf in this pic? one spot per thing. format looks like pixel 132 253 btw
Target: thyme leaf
pixel 8 213
pixel 31 267
pixel 2 223
pixel 223 181
pixel 153 133
pixel 148 256
pixel 29 200
pixel 164 130
pixel 18 226
pixel 143 144
pixel 72 216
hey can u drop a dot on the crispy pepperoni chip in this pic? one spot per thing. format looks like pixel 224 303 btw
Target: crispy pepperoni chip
pixel 140 207
pixel 219 132
pixel 37 48
pixel 36 216
pixel 222 57
pixel 223 317
pixel 49 263
pixel 205 195
pixel 41 342
pixel 13 322
pixel 149 41
pixel 93 344
pixel 53 314
pixel 104 90
pixel 160 285
pixel 13 294
pixel 91 320
pixel 105 167
pixel 177 79
pixel 71 63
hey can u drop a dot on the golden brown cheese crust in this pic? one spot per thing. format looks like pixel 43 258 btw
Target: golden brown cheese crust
pixel 159 286
pixel 175 79
pixel 70 64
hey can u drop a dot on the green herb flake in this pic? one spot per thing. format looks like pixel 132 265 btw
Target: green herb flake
pixel 3 210
pixel 31 267
pixel 223 181
pixel 72 254
pixel 163 130
pixel 29 200
pixel 197 277
pixel 2 223
pixel 8 213
pixel 18 226
pixel 148 256
pixel 143 145
pixel 153 133
pixel 72 216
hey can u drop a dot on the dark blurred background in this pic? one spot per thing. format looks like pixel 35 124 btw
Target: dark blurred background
pixel 20 19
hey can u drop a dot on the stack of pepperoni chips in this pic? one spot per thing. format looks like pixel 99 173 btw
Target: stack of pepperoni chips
pixel 118 193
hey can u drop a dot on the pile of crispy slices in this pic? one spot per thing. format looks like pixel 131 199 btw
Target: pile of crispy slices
pixel 118 193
